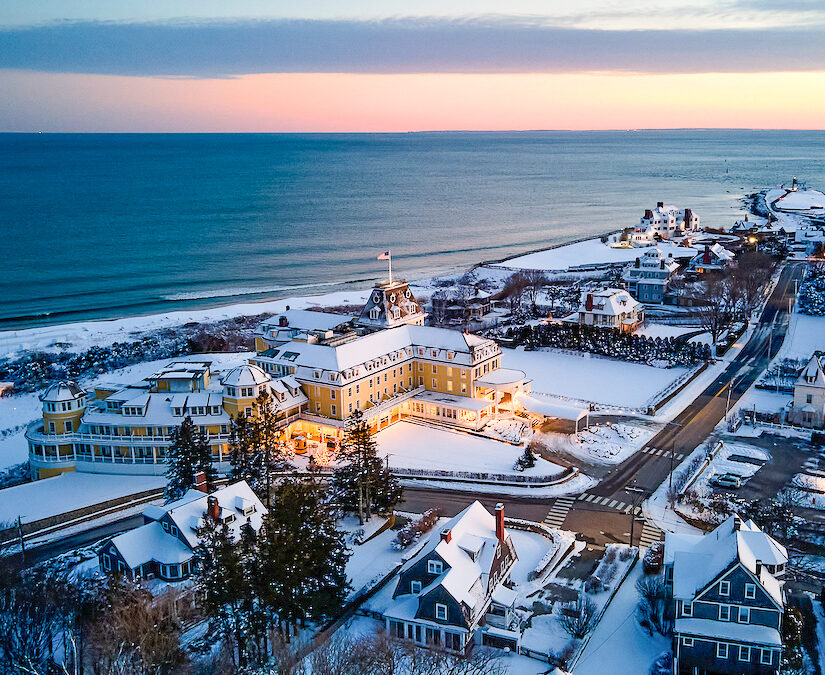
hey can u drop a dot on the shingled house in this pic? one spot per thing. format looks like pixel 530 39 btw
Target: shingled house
pixel 728 599
pixel 453 591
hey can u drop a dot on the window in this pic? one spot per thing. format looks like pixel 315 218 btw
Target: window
pixel 51 428
pixel 724 612
pixel 435 383
pixel 449 386
pixel 744 653
pixel 687 642
pixel 452 641
pixel 68 426
pixel 766 657
pixel 440 611
pixel 724 588
pixel 332 409
pixel 107 565
pixel 721 650
pixel 332 394
pixel 744 615
pixel 687 609
pixel 435 567
pixel 809 398
pixel 415 587
pixel 435 369
pixel 173 531
pixel 165 526
pixel 750 591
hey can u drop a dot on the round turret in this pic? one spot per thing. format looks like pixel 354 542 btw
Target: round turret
pixel 63 406
pixel 241 386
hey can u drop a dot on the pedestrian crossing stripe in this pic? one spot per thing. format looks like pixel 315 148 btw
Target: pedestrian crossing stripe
pixel 658 452
pixel 559 511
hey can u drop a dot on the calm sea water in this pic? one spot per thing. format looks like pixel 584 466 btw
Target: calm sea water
pixel 99 226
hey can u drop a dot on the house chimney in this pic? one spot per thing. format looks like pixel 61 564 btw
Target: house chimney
pixel 213 509
pixel 283 321
pixel 500 521
pixel 758 568
pixel 588 303
pixel 446 535
pixel 648 214
pixel 200 481
pixel 660 205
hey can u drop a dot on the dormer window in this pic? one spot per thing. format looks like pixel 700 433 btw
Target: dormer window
pixel 374 313
pixel 230 518
pixel 435 566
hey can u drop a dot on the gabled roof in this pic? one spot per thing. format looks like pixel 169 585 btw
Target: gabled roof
pixel 468 555
pixel 813 374
pixel 609 302
pixel 698 560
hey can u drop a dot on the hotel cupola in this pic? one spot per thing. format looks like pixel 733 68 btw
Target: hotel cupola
pixel 241 386
pixel 391 304
pixel 63 406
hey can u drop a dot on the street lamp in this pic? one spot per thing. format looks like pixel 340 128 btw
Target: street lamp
pixel 641 495
pixel 672 452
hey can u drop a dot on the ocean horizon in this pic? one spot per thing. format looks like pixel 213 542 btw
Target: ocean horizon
pixel 100 226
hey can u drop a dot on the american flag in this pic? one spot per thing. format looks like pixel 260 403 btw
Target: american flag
pixel 384 256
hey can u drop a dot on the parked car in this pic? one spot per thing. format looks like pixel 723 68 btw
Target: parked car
pixel 727 480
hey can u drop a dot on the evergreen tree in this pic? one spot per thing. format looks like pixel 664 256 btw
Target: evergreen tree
pixel 303 556
pixel 225 589
pixel 256 446
pixel 362 483
pixel 188 455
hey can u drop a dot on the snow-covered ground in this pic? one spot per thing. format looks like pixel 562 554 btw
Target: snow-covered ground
pixel 619 639
pixel 67 492
pixel 603 443
pixel 801 200
pixel 372 560
pixel 806 334
pixel 590 251
pixel 722 464
pixel 414 446
pixel 17 411
pixel 661 330
pixel 583 377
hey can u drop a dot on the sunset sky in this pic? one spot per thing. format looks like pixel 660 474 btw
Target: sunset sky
pixel 384 65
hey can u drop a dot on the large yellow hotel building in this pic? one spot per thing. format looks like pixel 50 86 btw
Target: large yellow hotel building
pixel 319 367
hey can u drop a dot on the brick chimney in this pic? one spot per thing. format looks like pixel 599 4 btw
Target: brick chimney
pixel 660 205
pixel 588 303
pixel 446 535
pixel 213 509
pixel 648 214
pixel 500 521
pixel 283 321
pixel 200 481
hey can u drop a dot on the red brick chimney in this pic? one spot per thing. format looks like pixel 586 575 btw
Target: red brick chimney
pixel 213 509
pixel 283 321
pixel 588 303
pixel 447 535
pixel 500 521
pixel 200 481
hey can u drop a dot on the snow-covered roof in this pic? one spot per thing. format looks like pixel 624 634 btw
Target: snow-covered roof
pixel 501 376
pixel 462 402
pixel 700 559
pixel 152 542
pixel 468 555
pixel 551 408
pixel 610 302
pixel 359 357
pixel 729 630
pixel 63 391
pixel 304 320
pixel 813 374
pixel 245 375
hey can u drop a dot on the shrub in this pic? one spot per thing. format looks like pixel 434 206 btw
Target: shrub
pixel 413 530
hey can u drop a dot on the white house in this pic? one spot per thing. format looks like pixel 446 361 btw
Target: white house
pixel 664 222
pixel 453 591
pixel 610 308
pixel 164 546
pixel 713 258
pixel 728 599
pixel 808 408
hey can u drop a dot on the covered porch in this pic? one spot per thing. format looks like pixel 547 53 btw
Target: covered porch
pixel 501 387
pixel 556 410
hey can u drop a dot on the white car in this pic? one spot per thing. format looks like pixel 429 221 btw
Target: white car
pixel 727 480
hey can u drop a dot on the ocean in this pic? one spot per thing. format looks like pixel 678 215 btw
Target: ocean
pixel 98 226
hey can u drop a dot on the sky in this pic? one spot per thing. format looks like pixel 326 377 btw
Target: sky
pixel 386 65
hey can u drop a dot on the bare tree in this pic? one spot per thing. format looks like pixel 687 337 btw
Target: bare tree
pixel 749 276
pixel 536 280
pixel 652 606
pixel 714 303
pixel 514 290
pixel 580 618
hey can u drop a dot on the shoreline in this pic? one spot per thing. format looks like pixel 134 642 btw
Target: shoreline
pixel 80 334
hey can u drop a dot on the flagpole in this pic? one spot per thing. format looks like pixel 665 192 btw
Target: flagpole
pixel 389 260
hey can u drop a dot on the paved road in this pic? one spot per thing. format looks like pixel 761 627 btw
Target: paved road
pixel 603 515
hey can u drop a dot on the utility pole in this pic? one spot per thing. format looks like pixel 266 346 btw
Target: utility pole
pixel 634 504
pixel 22 541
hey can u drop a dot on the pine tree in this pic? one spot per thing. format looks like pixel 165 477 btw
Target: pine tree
pixel 188 455
pixel 224 588
pixel 302 556
pixel 362 483
pixel 256 446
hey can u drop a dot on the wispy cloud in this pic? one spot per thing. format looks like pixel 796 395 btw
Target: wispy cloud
pixel 484 45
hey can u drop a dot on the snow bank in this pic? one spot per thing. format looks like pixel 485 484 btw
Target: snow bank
pixel 603 444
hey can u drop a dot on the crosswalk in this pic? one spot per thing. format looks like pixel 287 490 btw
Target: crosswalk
pixel 657 452
pixel 557 514
pixel 650 533
pixel 609 502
